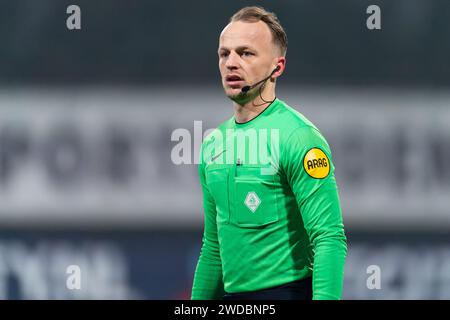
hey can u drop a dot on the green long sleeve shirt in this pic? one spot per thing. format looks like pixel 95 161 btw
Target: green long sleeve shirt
pixel 271 207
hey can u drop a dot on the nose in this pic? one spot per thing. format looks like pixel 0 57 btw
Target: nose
pixel 232 61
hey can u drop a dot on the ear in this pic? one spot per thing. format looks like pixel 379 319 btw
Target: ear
pixel 281 64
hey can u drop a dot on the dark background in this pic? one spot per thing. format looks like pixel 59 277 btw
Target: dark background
pixel 165 42
pixel 113 92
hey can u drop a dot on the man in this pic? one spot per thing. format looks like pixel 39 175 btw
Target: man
pixel 273 229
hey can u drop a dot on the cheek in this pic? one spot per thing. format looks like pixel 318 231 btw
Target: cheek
pixel 254 71
pixel 221 67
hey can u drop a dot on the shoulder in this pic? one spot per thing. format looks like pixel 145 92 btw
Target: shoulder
pixel 302 143
pixel 292 116
pixel 297 126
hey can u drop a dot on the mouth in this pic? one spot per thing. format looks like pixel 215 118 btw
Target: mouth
pixel 234 81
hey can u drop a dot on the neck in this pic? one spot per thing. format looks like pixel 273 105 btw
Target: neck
pixel 252 108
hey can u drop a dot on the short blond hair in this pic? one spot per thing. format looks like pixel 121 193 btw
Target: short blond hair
pixel 255 14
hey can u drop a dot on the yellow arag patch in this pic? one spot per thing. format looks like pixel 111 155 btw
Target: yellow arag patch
pixel 316 163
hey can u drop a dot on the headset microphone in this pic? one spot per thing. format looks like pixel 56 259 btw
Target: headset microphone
pixel 247 88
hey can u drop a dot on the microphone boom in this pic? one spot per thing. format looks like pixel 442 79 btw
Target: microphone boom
pixel 247 88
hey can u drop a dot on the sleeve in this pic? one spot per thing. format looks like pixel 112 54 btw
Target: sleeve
pixel 310 173
pixel 208 283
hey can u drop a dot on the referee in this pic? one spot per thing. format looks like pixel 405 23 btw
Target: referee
pixel 272 230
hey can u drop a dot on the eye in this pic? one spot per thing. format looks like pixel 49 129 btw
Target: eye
pixel 223 54
pixel 247 53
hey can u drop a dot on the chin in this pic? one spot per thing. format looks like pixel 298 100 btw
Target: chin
pixel 233 92
pixel 240 98
pixel 230 92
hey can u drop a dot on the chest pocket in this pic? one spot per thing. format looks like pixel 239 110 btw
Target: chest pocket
pixel 255 197
pixel 217 179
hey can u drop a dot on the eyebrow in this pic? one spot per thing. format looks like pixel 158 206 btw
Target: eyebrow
pixel 240 48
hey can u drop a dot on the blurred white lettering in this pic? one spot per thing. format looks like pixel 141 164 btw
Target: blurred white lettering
pixel 74 280
pixel 34 272
pixel 73 22
pixel 374 280
pixel 374 20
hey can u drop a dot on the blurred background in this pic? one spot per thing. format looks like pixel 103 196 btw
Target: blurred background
pixel 86 135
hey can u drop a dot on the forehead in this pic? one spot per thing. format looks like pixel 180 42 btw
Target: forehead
pixel 240 33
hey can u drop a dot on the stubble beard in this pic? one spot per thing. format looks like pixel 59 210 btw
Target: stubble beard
pixel 243 98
